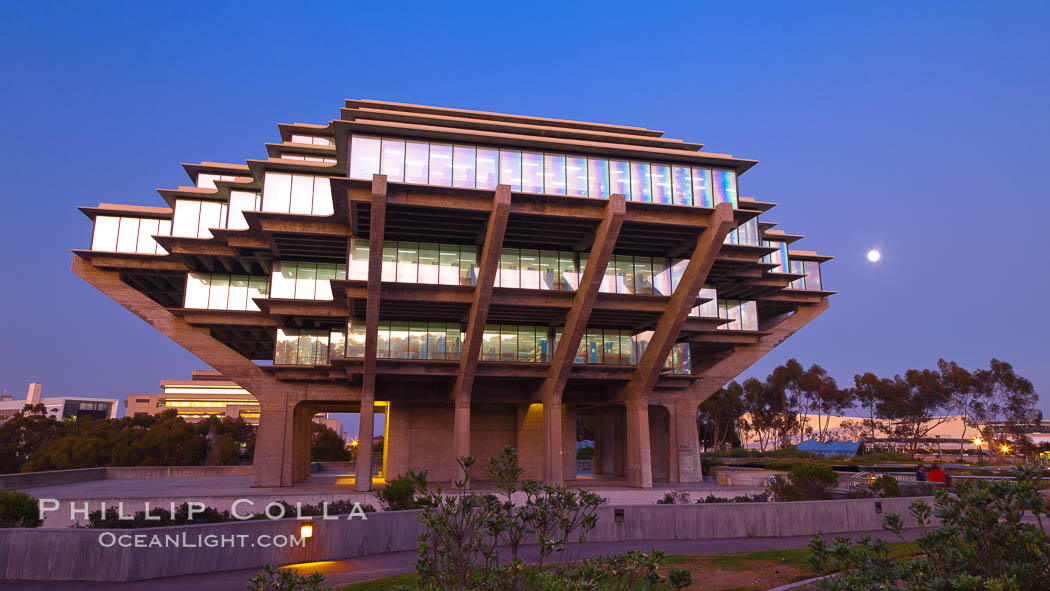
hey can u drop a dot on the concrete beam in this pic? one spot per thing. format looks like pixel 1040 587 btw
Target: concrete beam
pixel 470 350
pixel 363 474
pixel 553 386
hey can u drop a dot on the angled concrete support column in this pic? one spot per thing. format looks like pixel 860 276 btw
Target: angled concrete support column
pixel 479 312
pixel 636 393
pixel 302 437
pixel 685 442
pixel 377 229
pixel 553 386
pixel 568 413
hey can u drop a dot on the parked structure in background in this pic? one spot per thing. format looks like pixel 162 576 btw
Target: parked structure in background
pixel 60 407
pixel 485 277
pixel 207 393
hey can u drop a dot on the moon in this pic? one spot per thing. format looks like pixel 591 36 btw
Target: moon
pixel 874 256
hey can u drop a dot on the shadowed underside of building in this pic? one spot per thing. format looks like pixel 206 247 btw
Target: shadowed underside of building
pixel 482 278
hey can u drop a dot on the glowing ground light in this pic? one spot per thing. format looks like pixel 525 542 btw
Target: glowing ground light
pixel 874 256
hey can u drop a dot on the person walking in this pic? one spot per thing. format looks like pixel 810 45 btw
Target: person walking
pixel 936 475
pixel 920 473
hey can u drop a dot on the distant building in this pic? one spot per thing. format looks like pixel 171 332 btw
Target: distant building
pixel 206 394
pixel 60 407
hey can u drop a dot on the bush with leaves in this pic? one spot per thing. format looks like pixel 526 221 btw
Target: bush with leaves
pixel 283 579
pixel 401 493
pixel 463 533
pixel 17 509
pixel 885 486
pixel 806 482
pixel 983 542
pixel 761 497
pixel 673 498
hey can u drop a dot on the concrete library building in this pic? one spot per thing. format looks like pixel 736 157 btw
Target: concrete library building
pixel 480 279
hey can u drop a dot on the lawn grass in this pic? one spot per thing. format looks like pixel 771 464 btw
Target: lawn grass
pixel 741 571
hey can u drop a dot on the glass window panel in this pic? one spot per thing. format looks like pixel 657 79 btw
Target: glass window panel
pixel 783 251
pixel 449 262
pixel 568 280
pixel 661 176
pixel 104 237
pixel 526 344
pixel 326 272
pixel 197 285
pixel 703 196
pixel 709 309
pixel 452 339
pixel 609 279
pixel 626 348
pixel 488 169
pixel 355 339
pixel 549 278
pixel 257 288
pixel 302 194
pixel 463 170
pixel 206 181
pixel 393 162
pixel 282 281
pixel 218 295
pixel 509 267
pixel 389 261
pixel 441 165
pixel 661 277
pixel 677 270
pixel 147 230
pixel 428 263
pixel 598 178
pixel 364 157
pixel 240 202
pixel 682 185
pixel 336 344
pixel 643 275
pixel 287 347
pixel 187 217
pixel 543 344
pixel 305 281
pixel 322 196
pixel 530 269
pixel 624 273
pixel 407 262
pixel 725 187
pixel 490 343
pixel 510 169
pixel 508 342
pixel 641 182
pixel 641 342
pixel 749 315
pixel 211 217
pixel 277 190
pixel 554 174
pixel 611 346
pixel 238 298
pixel 417 163
pixel 575 176
pixel 128 235
pixel 595 346
pixel 358 265
pixel 468 265
pixel 399 340
pixel 620 179
pixel 532 173
pixel 417 341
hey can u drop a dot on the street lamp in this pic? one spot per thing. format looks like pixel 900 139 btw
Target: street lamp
pixel 1005 449
pixel 978 441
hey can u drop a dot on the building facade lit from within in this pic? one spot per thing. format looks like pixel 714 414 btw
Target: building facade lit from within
pixel 206 394
pixel 59 407
pixel 485 277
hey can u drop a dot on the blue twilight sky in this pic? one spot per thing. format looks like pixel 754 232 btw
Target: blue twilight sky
pixel 918 128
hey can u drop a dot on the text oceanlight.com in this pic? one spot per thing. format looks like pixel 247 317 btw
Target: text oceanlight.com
pixel 188 540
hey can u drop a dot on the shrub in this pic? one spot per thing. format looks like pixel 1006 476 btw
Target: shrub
pixel 400 493
pixel 673 498
pixel 585 453
pixel 275 579
pixel 755 498
pixel 807 482
pixel 888 455
pixel 885 486
pixel 984 541
pixel 17 509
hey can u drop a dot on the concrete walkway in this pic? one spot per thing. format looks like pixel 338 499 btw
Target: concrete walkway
pixel 341 572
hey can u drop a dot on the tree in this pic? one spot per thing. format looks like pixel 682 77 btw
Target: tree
pixel 913 403
pixel 770 417
pixel 327 446
pixel 720 413
pixel 1002 396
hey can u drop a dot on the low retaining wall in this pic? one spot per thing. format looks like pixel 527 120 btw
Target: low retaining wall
pixel 76 554
pixel 58 477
